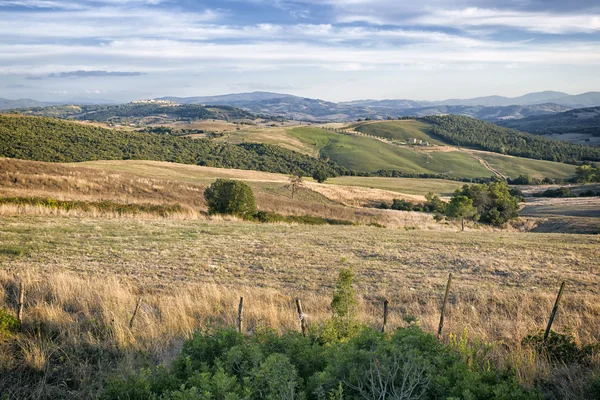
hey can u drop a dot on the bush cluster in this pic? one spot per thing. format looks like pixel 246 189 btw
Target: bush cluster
pixel 493 203
pixel 408 364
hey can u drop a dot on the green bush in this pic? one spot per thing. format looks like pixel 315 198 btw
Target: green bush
pixel 409 363
pixel 226 196
pixel 560 347
pixel 320 175
pixel 402 205
pixel 9 324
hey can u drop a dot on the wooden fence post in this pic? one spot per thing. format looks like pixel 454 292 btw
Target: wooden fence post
pixel 554 310
pixel 439 333
pixel 385 315
pixel 301 316
pixel 21 304
pixel 135 311
pixel 240 317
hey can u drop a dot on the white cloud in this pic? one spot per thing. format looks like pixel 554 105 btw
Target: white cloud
pixel 170 55
pixel 555 23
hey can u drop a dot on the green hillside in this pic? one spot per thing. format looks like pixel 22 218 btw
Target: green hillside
pixel 399 130
pixel 515 166
pixel 46 139
pixel 366 154
pixel 473 133
pixel 361 153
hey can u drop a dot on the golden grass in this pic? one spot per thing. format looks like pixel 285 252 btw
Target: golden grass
pixel 272 135
pixel 499 294
pixel 166 183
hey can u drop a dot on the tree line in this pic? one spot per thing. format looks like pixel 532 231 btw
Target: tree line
pixel 469 132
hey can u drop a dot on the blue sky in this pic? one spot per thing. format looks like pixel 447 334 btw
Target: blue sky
pixel 120 50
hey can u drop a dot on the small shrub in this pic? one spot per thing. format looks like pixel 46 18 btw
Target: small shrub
pixel 9 324
pixel 226 196
pixel 558 347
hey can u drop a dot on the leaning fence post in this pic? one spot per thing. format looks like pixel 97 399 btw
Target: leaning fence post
pixel 135 311
pixel 301 316
pixel 554 310
pixel 240 317
pixel 21 304
pixel 439 333
pixel 385 315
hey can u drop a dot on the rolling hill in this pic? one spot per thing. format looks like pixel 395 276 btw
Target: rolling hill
pixel 45 139
pixel 140 112
pixel 358 152
pixel 575 126
pixel 370 150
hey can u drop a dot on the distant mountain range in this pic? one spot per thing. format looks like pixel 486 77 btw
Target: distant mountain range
pixel 491 108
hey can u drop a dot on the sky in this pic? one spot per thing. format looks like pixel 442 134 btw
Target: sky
pixel 336 50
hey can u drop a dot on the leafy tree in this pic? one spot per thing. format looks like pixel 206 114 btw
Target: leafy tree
pixel 461 207
pixel 494 201
pixel 226 196
pixel 320 175
pixel 434 204
pixel 587 173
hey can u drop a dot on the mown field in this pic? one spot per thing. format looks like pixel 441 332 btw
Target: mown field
pixel 399 130
pixel 363 153
pixel 515 166
pixel 367 154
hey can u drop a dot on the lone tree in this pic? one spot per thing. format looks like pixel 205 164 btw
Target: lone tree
pixel 461 207
pixel 295 183
pixel 226 196
pixel 320 175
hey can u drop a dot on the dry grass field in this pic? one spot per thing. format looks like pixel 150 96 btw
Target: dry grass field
pixel 504 282
pixel 159 183
pixel 84 271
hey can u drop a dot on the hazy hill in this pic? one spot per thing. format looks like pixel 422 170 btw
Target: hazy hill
pixel 6 104
pixel 489 108
pixel 139 112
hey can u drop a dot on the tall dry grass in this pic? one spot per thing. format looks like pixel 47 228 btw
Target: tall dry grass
pixel 68 317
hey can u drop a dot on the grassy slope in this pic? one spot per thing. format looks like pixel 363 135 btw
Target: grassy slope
pixel 367 154
pixel 402 185
pixel 275 136
pixel 515 166
pixel 398 130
